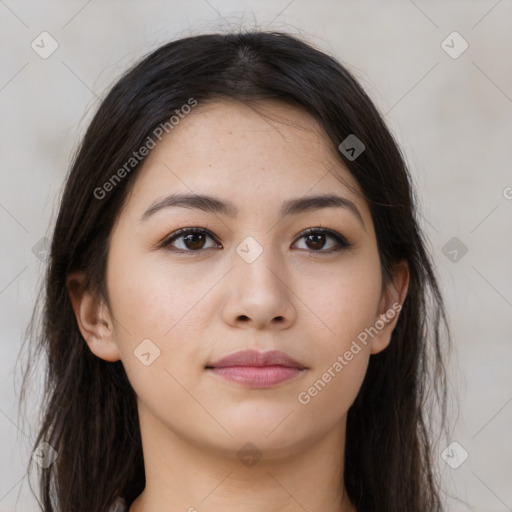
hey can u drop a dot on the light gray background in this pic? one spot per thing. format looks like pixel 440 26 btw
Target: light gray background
pixel 452 117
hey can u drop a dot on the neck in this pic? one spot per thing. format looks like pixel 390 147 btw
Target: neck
pixel 180 475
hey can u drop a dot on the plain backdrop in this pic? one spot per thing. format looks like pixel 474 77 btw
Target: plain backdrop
pixel 449 107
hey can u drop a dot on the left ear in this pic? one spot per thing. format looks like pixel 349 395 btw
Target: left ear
pixel 392 298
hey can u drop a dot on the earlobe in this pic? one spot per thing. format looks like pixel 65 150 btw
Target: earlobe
pixel 393 297
pixel 92 318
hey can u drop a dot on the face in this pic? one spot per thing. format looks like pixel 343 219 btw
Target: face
pixel 262 273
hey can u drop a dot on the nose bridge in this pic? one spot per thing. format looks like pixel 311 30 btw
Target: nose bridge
pixel 261 266
pixel 260 293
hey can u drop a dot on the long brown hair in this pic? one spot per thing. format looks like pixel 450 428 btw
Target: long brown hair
pixel 89 409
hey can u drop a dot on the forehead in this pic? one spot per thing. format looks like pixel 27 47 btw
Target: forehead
pixel 248 153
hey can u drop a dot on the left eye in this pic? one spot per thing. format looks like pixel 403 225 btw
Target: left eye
pixel 194 239
pixel 316 238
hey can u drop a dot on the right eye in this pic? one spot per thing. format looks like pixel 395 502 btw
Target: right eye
pixel 191 240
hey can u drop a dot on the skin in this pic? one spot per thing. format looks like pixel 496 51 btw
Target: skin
pixel 296 297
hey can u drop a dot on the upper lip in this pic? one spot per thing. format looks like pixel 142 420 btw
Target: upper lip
pixel 255 358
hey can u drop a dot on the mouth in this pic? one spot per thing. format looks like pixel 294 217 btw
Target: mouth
pixel 257 369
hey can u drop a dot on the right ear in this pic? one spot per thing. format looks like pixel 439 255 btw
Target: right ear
pixel 93 318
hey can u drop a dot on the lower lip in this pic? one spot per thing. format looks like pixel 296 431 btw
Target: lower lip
pixel 257 376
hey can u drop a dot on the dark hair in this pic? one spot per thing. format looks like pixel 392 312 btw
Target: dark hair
pixel 94 427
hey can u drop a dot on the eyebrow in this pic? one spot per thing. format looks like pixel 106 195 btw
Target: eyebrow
pixel 225 207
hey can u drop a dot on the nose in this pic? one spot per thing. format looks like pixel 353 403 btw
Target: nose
pixel 258 295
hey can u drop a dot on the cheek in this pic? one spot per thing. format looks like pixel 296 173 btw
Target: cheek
pixel 157 312
pixel 332 389
pixel 345 300
pixel 346 304
pixel 153 299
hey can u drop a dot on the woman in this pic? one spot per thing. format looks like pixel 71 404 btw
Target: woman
pixel 240 312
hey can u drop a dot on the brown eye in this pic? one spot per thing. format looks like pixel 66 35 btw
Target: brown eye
pixel 188 240
pixel 194 241
pixel 317 239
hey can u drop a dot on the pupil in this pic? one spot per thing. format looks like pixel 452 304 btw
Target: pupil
pixel 318 244
pixel 190 240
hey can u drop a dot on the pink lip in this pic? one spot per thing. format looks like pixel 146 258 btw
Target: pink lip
pixel 257 369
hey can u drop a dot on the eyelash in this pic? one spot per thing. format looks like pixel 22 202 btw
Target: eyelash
pixel 341 240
